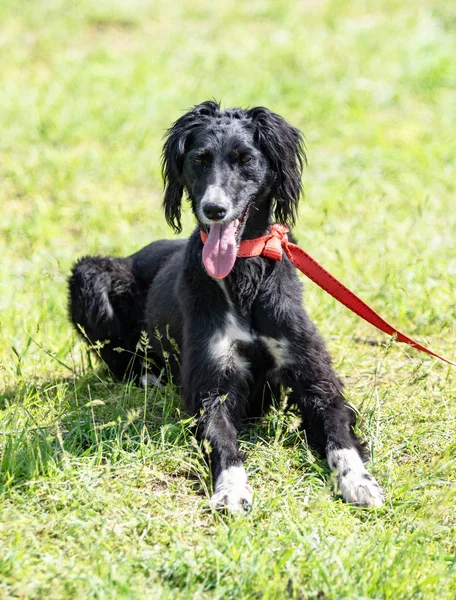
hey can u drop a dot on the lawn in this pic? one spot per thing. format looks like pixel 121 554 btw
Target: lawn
pixel 103 490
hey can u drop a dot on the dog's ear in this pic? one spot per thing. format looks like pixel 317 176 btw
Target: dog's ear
pixel 172 164
pixel 174 149
pixel 283 146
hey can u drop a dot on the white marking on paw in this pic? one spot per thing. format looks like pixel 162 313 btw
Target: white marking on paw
pixel 232 491
pixel 356 484
pixel 150 380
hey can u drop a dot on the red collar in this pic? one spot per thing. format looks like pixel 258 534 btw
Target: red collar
pixel 276 242
pixel 269 245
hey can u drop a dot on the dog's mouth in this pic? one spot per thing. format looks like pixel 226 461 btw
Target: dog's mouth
pixel 220 249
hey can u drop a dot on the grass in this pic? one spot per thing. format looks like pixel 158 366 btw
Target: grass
pixel 103 493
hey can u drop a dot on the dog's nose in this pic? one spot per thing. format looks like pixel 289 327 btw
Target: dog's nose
pixel 214 212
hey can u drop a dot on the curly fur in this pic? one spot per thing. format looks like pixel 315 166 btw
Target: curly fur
pixel 243 338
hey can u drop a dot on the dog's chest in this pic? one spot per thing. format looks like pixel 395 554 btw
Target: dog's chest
pixel 238 347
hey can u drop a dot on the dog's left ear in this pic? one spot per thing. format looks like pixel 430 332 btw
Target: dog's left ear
pixel 282 144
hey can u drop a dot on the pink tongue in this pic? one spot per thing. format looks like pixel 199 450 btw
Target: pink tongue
pixel 219 251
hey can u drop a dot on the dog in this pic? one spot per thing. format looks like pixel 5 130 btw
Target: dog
pixel 239 324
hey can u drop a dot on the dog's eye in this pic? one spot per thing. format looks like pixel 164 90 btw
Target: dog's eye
pixel 202 159
pixel 245 158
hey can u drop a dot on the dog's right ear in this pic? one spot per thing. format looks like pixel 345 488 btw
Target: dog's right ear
pixel 176 145
pixel 172 164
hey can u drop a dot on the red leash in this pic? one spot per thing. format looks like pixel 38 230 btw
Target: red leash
pixel 271 246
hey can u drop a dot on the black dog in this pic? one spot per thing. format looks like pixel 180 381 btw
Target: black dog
pixel 239 323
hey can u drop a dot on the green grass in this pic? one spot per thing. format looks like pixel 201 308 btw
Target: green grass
pixel 103 492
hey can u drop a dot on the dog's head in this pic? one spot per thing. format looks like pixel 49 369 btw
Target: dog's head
pixel 228 162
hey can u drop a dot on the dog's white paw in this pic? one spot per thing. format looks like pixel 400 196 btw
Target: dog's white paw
pixel 234 500
pixel 356 484
pixel 360 488
pixel 232 491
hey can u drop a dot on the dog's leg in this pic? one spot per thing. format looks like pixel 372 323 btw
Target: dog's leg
pixel 216 388
pixel 329 421
pixel 217 433
pixel 303 364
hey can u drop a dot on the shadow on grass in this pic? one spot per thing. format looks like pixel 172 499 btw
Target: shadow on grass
pixel 57 425
pixel 90 417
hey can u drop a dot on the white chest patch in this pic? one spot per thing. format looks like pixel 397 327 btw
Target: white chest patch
pixel 222 345
pixel 278 349
pixel 105 305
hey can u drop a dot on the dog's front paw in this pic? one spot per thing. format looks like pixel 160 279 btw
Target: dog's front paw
pixel 234 500
pixel 232 491
pixel 360 488
pixel 355 483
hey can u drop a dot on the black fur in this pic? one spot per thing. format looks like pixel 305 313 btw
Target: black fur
pixel 256 158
